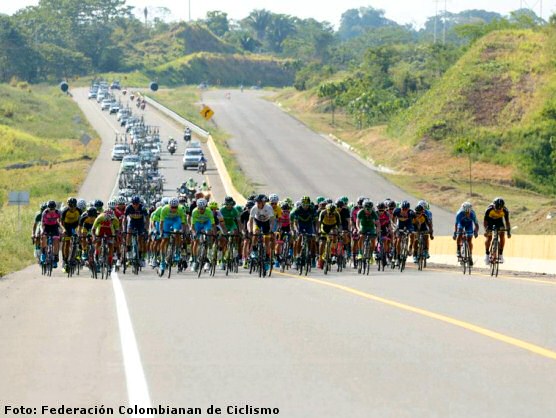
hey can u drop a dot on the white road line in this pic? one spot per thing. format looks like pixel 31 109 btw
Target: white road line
pixel 137 389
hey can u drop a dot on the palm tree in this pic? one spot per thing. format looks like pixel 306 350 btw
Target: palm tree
pixel 259 20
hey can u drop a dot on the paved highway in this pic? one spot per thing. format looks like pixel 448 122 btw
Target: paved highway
pixel 416 344
pixel 282 155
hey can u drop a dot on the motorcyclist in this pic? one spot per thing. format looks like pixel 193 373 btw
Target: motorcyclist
pixel 202 165
pixel 187 134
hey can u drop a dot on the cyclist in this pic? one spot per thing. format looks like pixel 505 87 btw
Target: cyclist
pixel 284 229
pixel 119 212
pixel 36 232
pixel 262 215
pixel 106 225
pixel 345 217
pixel 231 216
pixel 154 228
pixel 220 229
pixel 50 226
pixel 496 216
pixel 136 218
pixel 99 206
pixel 303 220
pixel 466 223
pixel 367 224
pixel 202 221
pixel 385 228
pixel 86 222
pixel 354 232
pixel 421 223
pixel 244 222
pixel 172 218
pixel 329 222
pixel 402 218
pixel 70 221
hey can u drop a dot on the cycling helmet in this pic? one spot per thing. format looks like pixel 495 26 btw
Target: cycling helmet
pixel 381 206
pixel 92 212
pixel 340 203
pixel 72 202
pixel 109 214
pixel 330 207
pixel 165 201
pixel 229 200
pixel 44 205
pixel 213 205
pixel 466 207
pixel 289 201
pixel 499 203
pixel 391 205
pixel 202 203
pixel 135 200
pixel 360 200
pixel 182 199
pixel 252 197
pixel 298 204
pixel 51 204
pixel 274 198
pixel 344 199
pixel 98 204
pixel 174 203
pixel 368 204
pixel 260 198
pixel 405 204
pixel 305 200
pixel 285 206
pixel 419 209
pixel 249 204
pixel 112 203
pixel 329 201
pixel 81 204
pixel 122 200
pixel 320 199
pixel 158 204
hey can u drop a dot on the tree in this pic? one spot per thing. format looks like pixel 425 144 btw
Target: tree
pixel 17 58
pixel 280 27
pixel 259 20
pixel 217 22
pixel 355 22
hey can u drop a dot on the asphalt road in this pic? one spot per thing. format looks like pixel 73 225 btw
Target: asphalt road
pixel 416 344
pixel 282 155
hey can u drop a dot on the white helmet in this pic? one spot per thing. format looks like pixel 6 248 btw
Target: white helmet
pixel 174 202
pixel 273 198
pixel 122 200
pixel 112 203
pixel 201 203
pixel 466 207
pixel 423 203
pixel 82 204
pixel 165 201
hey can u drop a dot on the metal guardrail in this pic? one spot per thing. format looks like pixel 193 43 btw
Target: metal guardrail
pixel 196 129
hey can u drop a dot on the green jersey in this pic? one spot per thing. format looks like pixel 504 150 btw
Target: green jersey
pixel 166 213
pixel 201 218
pixel 230 217
pixel 367 220
pixel 155 216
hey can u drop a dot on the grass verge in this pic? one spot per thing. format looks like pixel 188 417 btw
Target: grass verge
pixel 185 102
pixel 44 156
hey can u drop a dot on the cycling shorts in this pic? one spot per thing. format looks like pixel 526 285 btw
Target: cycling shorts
pixel 327 229
pixel 264 227
pixel 51 231
pixel 171 224
pixel 70 229
pixel 469 229
pixel 205 227
pixel 138 226
pixel 306 228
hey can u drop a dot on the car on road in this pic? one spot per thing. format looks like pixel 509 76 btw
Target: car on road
pixel 193 144
pixel 92 94
pixel 106 104
pixel 115 85
pixel 120 151
pixel 191 157
pixel 114 107
pixel 130 162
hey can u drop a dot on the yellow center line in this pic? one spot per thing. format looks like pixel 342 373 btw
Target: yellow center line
pixel 439 317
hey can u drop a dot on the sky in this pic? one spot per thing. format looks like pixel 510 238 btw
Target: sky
pixel 402 11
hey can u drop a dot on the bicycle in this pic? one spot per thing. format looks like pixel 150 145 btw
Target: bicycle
pixel 304 262
pixel 47 265
pixel 364 264
pixel 495 250
pixel 285 254
pixel 421 258
pixel 381 257
pixel 328 252
pixel 466 258
pixel 404 250
pixel 135 260
pixel 171 253
pixel 232 251
pixel 103 264
pixel 91 257
pixel 258 262
pixel 74 262
pixel 341 259
pixel 202 259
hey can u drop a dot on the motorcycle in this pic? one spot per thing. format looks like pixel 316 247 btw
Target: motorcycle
pixel 190 193
pixel 187 136
pixel 202 167
pixel 171 147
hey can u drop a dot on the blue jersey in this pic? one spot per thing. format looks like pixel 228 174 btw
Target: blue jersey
pixel 466 222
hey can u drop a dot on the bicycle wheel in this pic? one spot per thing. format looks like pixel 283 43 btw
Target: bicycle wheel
pixel 494 257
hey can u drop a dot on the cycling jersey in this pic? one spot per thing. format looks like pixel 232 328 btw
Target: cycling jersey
pixel 405 218
pixel 230 216
pixel 421 222
pixel 465 222
pixel 70 216
pixel 354 214
pixel 304 215
pixel 202 218
pixel 50 217
pixel 38 217
pixel 367 221
pixel 344 217
pixel 103 226
pixel 262 215
pixel 155 216
pixel 166 213
pixel 329 219
pixel 136 214
pixel 86 221
pixel 496 217
pixel 284 219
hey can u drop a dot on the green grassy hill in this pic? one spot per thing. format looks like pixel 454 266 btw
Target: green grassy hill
pixel 225 69
pixel 501 99
pixel 40 152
